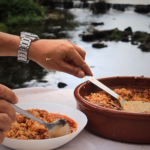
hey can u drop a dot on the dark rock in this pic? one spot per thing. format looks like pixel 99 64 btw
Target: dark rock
pixel 125 39
pixel 97 23
pixel 85 5
pixel 139 36
pixel 99 45
pixel 128 31
pixel 146 45
pixel 87 37
pixel 108 6
pixel 116 35
pixel 106 35
pixel 120 7
pixel 68 4
pixel 127 35
pixel 48 3
pixel 103 34
pixel 99 7
pixel 62 85
pixel 142 8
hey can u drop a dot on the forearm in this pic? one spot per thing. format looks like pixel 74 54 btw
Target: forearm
pixel 9 44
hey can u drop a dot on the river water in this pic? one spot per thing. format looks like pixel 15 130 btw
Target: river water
pixel 129 1
pixel 118 59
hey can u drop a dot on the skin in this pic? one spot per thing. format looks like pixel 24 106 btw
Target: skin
pixel 59 55
pixel 7 112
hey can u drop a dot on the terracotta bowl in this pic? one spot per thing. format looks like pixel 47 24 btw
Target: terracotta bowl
pixel 115 124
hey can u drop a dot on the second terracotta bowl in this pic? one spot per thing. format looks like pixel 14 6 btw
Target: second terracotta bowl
pixel 115 124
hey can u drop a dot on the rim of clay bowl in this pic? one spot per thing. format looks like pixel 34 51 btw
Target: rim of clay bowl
pixel 108 111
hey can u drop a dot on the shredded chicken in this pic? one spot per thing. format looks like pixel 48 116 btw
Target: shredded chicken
pixel 28 129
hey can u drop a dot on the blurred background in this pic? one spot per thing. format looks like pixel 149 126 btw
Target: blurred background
pixel 114 33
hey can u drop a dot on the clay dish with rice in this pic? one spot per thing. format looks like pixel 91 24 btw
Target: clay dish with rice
pixel 105 117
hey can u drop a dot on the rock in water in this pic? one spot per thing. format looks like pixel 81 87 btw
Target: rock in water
pixel 61 85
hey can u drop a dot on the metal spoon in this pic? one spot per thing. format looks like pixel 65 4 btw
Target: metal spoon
pixel 131 106
pixel 56 129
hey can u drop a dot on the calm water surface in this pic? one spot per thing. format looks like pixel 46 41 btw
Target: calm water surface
pixel 129 1
pixel 118 59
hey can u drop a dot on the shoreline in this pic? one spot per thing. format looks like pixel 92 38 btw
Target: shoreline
pixel 134 2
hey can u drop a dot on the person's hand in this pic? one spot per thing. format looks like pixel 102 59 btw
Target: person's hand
pixel 7 112
pixel 60 55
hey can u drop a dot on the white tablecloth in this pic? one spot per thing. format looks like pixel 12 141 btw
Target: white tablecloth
pixel 85 140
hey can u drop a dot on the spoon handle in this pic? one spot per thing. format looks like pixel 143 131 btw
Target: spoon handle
pixel 28 115
pixel 105 88
pixel 102 86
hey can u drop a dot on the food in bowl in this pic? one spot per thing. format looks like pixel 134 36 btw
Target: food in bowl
pixel 114 124
pixel 104 99
pixel 52 143
pixel 28 129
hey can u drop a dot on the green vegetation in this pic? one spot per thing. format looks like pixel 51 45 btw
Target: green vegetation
pixel 3 27
pixel 21 12
pixel 116 35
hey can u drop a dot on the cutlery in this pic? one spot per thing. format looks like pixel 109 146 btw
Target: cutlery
pixel 131 106
pixel 56 129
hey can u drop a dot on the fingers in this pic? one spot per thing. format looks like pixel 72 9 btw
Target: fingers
pixel 7 109
pixel 5 122
pixel 7 94
pixel 7 116
pixel 80 68
pixel 79 50
pixel 1 137
pixel 76 56
pixel 7 112
pixel 73 69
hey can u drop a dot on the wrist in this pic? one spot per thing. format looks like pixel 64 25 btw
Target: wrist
pixel 33 50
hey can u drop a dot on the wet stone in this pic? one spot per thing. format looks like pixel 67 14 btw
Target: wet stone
pixel 142 8
pixel 99 45
pixel 87 37
pixel 97 23
pixel 146 45
pixel 125 39
pixel 62 85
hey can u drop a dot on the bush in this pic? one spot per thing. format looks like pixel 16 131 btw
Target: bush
pixel 16 12
pixel 24 20
pixel 3 27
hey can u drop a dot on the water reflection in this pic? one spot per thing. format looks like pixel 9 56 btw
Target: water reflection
pixel 17 75
pixel 13 74
pixel 118 59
